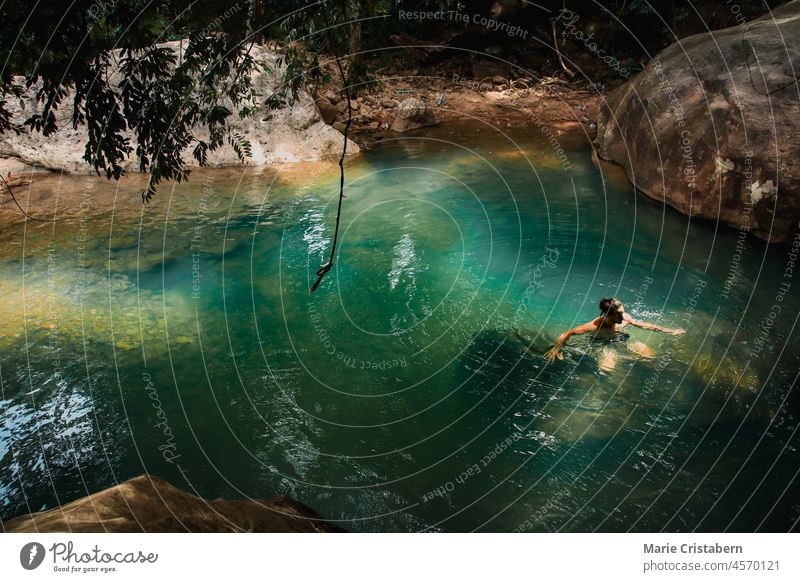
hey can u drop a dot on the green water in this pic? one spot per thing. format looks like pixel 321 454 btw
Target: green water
pixel 409 392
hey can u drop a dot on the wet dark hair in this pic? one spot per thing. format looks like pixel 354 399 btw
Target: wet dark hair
pixel 610 305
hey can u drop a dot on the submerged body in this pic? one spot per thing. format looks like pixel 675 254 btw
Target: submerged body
pixel 608 329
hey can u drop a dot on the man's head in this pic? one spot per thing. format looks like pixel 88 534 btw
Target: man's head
pixel 612 309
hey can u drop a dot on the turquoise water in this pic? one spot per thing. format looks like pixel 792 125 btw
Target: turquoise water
pixel 409 392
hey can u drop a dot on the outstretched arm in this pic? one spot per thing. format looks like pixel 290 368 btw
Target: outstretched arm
pixel 652 326
pixel 554 352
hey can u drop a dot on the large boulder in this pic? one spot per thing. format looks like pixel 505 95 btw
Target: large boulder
pixel 149 504
pixel 413 113
pixel 289 134
pixel 712 126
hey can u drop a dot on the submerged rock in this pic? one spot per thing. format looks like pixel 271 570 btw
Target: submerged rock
pixel 149 504
pixel 288 134
pixel 711 126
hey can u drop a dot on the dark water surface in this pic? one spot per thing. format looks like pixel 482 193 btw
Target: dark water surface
pixel 409 392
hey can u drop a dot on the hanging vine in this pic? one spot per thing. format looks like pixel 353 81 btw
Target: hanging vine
pixel 323 270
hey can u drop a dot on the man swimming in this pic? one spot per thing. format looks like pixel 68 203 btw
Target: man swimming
pixel 608 328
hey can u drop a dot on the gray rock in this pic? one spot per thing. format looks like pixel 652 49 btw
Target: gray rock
pixel 301 118
pixel 712 125
pixel 289 134
pixel 413 113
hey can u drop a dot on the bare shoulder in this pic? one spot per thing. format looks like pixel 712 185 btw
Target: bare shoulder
pixel 589 326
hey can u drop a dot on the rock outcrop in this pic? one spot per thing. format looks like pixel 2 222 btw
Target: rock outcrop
pixel 327 110
pixel 712 126
pixel 413 113
pixel 289 134
pixel 149 504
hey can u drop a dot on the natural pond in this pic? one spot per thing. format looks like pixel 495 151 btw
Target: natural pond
pixel 409 392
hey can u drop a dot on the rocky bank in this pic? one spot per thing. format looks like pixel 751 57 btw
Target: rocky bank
pixel 404 100
pixel 288 134
pixel 149 504
pixel 712 126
